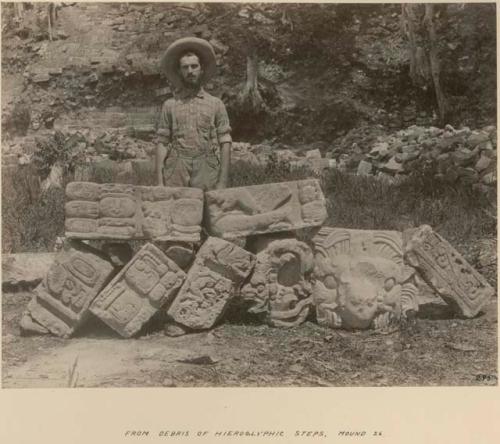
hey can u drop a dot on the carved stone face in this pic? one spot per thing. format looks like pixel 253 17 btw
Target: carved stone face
pixel 360 278
pixel 359 300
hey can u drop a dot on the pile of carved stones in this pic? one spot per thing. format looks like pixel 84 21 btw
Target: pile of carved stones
pixel 203 251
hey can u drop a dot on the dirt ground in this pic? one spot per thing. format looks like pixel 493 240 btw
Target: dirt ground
pixel 439 349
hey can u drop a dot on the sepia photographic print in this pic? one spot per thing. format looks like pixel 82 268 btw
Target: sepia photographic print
pixel 249 195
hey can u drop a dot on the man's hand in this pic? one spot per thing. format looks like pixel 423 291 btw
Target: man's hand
pixel 161 153
pixel 224 167
pixel 221 184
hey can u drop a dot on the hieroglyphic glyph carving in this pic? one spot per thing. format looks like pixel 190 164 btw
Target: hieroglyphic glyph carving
pixel 148 282
pixel 121 211
pixel 216 275
pixel 361 280
pixel 280 287
pixel 446 271
pixel 268 208
pixel 75 278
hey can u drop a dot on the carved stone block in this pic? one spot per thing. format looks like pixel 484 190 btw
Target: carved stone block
pixel 149 281
pixel 216 275
pixel 446 271
pixel 75 278
pixel 280 287
pixel 268 208
pixel 121 211
pixel 361 280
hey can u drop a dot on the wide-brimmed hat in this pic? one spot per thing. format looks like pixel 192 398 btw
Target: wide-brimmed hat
pixel 170 61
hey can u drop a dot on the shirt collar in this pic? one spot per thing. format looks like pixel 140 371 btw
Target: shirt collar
pixel 184 93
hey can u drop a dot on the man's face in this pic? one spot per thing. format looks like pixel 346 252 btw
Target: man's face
pixel 191 71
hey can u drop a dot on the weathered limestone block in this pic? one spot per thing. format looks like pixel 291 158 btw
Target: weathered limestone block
pixel 75 278
pixel 280 287
pixel 361 280
pixel 216 275
pixel 364 168
pixel 446 271
pixel 125 212
pixel 268 208
pixel 29 327
pixel 149 281
pixel 25 269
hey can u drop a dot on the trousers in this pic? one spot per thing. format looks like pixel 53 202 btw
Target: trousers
pixel 187 170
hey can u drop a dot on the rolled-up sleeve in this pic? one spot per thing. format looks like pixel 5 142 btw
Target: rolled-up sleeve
pixel 165 121
pixel 222 125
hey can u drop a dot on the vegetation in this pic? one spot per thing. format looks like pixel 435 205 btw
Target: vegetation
pixel 31 222
pixel 456 211
pixel 60 149
pixel 436 59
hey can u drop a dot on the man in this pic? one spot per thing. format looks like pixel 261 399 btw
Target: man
pixel 194 125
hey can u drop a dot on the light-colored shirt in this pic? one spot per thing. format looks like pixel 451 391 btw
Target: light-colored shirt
pixel 195 125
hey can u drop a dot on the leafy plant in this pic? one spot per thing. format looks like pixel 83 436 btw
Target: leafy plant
pixel 31 221
pixel 66 150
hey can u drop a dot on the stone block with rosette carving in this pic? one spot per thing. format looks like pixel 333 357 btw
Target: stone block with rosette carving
pixel 61 302
pixel 216 275
pixel 148 282
pixel 280 288
pixel 268 208
pixel 446 271
pixel 126 212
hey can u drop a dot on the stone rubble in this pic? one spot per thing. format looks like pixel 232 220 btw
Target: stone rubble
pixel 23 270
pixel 123 141
pixel 450 154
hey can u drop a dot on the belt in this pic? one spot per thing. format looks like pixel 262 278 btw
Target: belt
pixel 185 153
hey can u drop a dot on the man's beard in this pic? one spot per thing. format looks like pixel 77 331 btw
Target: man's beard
pixel 192 83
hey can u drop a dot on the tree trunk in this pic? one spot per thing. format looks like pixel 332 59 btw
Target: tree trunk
pixel 250 94
pixel 19 10
pixel 434 61
pixel 407 14
pixel 423 51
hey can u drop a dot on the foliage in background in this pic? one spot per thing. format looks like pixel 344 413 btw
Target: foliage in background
pixel 16 121
pixel 358 61
pixel 107 171
pixel 31 220
pixel 65 150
